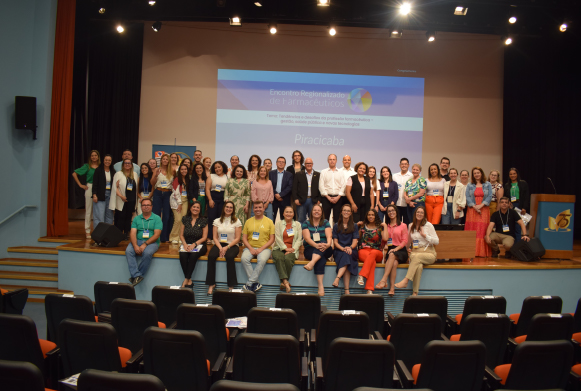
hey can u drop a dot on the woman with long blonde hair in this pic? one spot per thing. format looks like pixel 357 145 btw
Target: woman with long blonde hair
pixel 162 182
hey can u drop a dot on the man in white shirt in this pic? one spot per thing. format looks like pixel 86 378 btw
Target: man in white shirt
pixel 332 188
pixel 348 171
pixel 401 178
pixel 127 154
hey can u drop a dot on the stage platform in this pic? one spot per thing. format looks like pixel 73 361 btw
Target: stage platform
pixel 81 264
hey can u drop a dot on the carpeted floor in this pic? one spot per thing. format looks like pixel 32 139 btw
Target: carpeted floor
pixel 36 312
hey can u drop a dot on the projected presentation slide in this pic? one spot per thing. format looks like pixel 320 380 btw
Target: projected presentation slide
pixel 374 119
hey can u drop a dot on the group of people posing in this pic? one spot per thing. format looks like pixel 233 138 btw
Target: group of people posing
pixel 371 212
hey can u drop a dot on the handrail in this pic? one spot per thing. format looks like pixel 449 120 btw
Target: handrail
pixel 15 213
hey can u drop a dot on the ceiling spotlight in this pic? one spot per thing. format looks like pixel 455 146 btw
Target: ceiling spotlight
pixel 323 3
pixel 235 21
pixel 563 27
pixel 405 8
pixel 512 20
pixel 460 10
pixel 120 28
pixel 101 10
pixel 332 31
pixel 258 4
pixel 508 41
pixel 156 26
pixel 151 2
pixel 395 33
pixel 272 28
pixel 431 36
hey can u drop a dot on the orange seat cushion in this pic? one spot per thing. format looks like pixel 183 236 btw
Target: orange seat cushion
pixel 389 337
pixel 209 371
pixel 161 325
pixel 416 372
pixel 502 371
pixel 520 339
pixel 49 389
pixel 46 346
pixel 515 318
pixel 227 334
pixel 125 355
pixel 458 318
pixel 4 291
pixel 96 319
pixel 455 337
pixel 577 369
pixel 577 337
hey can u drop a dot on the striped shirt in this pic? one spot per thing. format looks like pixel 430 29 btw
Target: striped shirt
pixel 320 229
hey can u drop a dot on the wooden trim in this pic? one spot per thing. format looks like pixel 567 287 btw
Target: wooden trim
pixel 35 300
pixel 558 254
pixel 33 250
pixel 53 239
pixel 29 276
pixel 29 262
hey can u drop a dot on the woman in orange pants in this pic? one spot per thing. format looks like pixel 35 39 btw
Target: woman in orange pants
pixel 371 235
pixel 434 194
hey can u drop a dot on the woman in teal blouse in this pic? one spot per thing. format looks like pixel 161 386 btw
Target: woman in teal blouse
pixel 87 170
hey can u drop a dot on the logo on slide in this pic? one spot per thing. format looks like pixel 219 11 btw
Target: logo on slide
pixel 359 100
pixel 561 222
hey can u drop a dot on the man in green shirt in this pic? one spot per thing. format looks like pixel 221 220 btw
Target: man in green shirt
pixel 144 235
pixel 257 236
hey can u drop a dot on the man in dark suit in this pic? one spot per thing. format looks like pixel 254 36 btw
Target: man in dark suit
pixel 282 185
pixel 306 190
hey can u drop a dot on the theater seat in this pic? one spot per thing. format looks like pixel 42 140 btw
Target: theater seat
pixel 22 376
pixel 531 306
pixel 3 291
pixel 577 337
pixel 548 327
pixel 46 346
pixel 577 369
pixel 455 337
pixel 502 371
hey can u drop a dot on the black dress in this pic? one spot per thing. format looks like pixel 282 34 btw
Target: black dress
pixel 192 234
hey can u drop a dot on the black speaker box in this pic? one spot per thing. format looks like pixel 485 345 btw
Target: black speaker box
pixel 25 108
pixel 107 235
pixel 530 251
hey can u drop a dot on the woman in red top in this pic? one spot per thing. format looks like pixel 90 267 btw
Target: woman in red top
pixel 397 238
pixel 371 234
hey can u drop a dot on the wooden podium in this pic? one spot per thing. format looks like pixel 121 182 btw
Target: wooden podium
pixel 552 222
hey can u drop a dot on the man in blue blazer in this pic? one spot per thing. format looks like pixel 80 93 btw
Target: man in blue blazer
pixel 282 186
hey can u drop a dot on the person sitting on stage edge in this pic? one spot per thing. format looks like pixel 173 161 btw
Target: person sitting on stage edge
pixel 257 236
pixel 288 239
pixel 144 236
pixel 503 223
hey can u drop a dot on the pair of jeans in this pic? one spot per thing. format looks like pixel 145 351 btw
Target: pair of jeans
pixel 123 217
pixel 188 260
pixel 267 212
pixel 448 218
pixel 384 202
pixel 403 212
pixel 146 256
pixel 231 253
pixel 304 210
pixel 161 208
pixel 261 258
pixel 412 211
pixel 101 211
pixel 320 265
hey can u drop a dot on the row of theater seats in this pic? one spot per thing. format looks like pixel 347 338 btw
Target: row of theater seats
pixel 341 349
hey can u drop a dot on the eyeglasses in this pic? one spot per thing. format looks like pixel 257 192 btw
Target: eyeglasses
pixel 127 163
pixel 146 206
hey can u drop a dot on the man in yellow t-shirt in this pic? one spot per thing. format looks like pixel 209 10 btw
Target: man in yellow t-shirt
pixel 257 236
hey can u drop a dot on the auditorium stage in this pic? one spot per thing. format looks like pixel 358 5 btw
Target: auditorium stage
pixel 81 264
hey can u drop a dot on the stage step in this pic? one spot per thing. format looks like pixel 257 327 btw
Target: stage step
pixel 28 265
pixel 37 293
pixel 52 241
pixel 28 278
pixel 46 253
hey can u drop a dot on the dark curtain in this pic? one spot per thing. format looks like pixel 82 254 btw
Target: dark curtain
pixel 62 83
pixel 107 93
pixel 542 115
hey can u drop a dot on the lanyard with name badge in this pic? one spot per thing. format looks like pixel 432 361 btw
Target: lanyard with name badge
pixel 416 243
pixel 505 227
pixel 129 185
pixel 202 189
pixel 145 231
pixel 316 235
pixel 290 232
pixel 255 234
pixel 146 190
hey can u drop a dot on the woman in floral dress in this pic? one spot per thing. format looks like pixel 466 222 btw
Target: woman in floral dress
pixel 238 191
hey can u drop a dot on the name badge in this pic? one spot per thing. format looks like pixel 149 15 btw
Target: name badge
pixel 410 193
pixel 436 192
pixel 399 186
pixel 146 193
pixel 512 199
pixel 386 194
pixel 309 185
pixel 163 183
pixel 316 237
pixel 223 238
pixel 145 234
pixel 290 232
pixel 255 235
pixel 416 243
pixel 197 248
pixel 505 228
pixel 203 192
pixel 218 188
pixel 450 199
pixel 184 193
pixel 389 242
pixel 108 186
pixel 130 186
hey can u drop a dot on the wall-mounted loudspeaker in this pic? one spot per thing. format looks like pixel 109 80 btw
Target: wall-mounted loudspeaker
pixel 25 108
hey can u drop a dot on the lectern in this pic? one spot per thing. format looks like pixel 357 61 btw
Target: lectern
pixel 552 222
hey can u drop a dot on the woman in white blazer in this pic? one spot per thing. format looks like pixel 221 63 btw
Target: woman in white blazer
pixel 124 197
pixel 288 239
pixel 454 199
